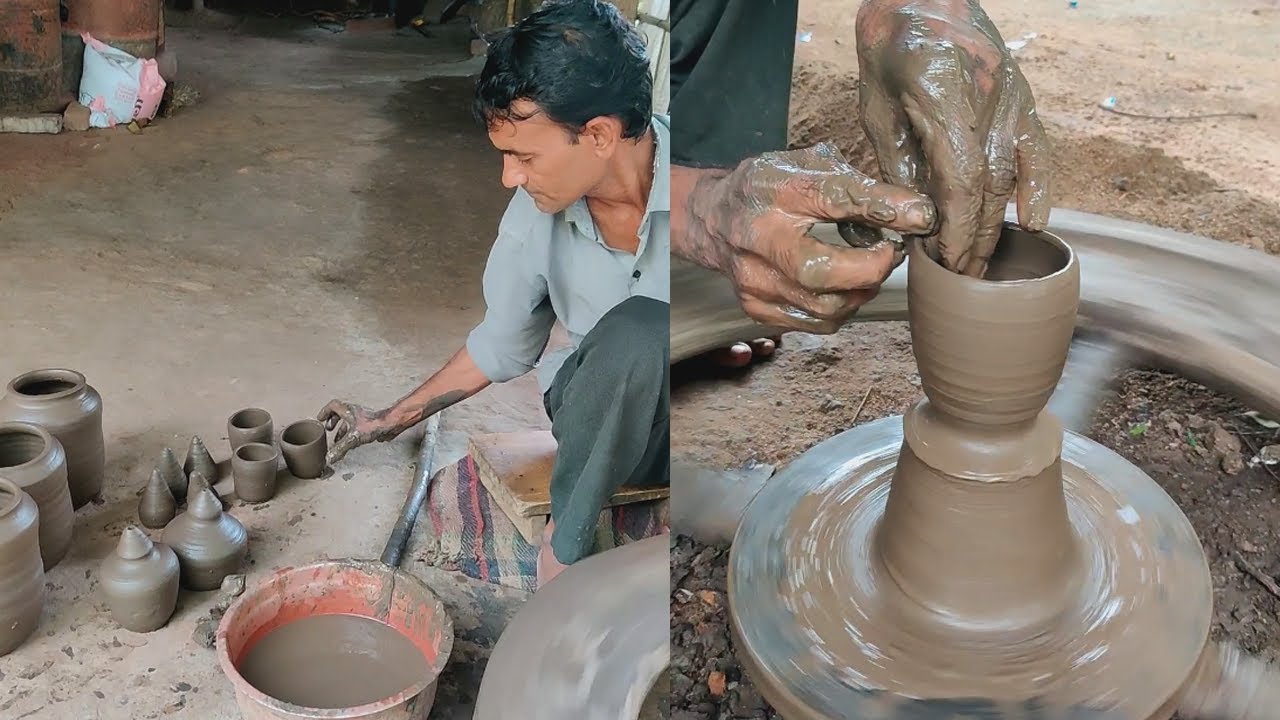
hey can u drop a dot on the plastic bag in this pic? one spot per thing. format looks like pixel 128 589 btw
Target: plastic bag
pixel 118 87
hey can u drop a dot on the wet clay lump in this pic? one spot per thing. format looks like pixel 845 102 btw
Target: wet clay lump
pixel 62 402
pixel 140 581
pixel 333 661
pixel 35 461
pixel 970 548
pixel 21 569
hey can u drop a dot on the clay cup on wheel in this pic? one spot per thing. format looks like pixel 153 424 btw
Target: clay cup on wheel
pixel 250 425
pixel 990 351
pixel 304 445
pixel 253 470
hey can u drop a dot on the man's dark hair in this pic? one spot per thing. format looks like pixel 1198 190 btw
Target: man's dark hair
pixel 576 60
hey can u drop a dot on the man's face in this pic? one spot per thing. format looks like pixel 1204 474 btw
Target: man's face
pixel 539 156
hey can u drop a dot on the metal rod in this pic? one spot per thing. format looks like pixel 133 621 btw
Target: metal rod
pixel 399 540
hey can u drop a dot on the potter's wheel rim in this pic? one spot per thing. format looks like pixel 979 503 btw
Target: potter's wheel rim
pixel 279 708
pixel 777 671
pixel 590 644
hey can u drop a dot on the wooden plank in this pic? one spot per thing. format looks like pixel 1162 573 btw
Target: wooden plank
pixel 516 470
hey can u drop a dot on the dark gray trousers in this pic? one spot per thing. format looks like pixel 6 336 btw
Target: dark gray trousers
pixel 610 407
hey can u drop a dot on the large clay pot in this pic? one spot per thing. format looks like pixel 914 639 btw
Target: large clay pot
pixel 140 581
pixel 62 402
pixel 34 460
pixel 21 570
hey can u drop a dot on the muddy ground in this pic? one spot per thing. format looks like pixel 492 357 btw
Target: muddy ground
pixel 1184 175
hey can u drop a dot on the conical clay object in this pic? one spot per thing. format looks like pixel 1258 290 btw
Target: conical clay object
pixel 173 474
pixel 156 507
pixel 140 580
pixel 210 544
pixel 199 460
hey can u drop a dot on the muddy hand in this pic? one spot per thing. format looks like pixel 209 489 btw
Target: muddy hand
pixel 949 113
pixel 753 224
pixel 353 426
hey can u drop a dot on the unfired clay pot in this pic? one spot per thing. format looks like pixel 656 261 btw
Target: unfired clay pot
pixel 62 402
pixel 304 445
pixel 34 460
pixel 173 475
pixel 200 461
pixel 21 569
pixel 209 543
pixel 140 580
pixel 156 506
pixel 253 469
pixel 251 425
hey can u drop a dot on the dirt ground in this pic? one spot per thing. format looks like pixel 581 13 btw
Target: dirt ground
pixel 1214 177
pixel 313 227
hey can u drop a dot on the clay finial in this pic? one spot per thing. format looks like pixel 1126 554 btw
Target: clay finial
pixel 203 504
pixel 199 460
pixel 134 544
pixel 157 505
pixel 198 483
pixel 173 474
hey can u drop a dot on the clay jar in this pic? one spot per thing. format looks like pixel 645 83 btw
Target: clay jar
pixel 253 469
pixel 62 402
pixel 210 544
pixel 304 445
pixel 21 569
pixel 34 460
pixel 251 425
pixel 140 580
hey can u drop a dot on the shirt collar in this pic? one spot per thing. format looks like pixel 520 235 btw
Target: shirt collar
pixel 579 215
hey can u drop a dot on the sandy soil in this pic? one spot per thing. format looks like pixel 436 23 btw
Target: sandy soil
pixel 1215 177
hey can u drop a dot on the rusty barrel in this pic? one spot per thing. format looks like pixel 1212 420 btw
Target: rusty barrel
pixel 30 56
pixel 133 26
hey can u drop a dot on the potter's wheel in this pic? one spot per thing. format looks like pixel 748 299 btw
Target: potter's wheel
pixel 1124 645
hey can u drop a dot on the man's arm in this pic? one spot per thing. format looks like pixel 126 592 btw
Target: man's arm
pixel 506 344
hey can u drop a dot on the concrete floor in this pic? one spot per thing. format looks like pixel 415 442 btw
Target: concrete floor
pixel 315 227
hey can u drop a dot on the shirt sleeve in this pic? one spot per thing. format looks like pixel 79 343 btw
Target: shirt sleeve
pixel 731 66
pixel 518 314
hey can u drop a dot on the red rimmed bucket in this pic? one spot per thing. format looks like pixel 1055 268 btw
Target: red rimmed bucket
pixel 337 587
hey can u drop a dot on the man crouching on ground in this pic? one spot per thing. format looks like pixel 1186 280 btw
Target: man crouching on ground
pixel 566 97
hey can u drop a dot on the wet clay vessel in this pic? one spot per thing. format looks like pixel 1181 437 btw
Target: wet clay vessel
pixel 971 548
pixel 34 460
pixel 172 474
pixel 304 445
pixel 61 402
pixel 200 461
pixel 253 470
pixel 21 569
pixel 250 425
pixel 209 543
pixel 156 506
pixel 140 581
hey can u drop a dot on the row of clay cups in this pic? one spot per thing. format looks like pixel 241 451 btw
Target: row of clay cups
pixel 255 461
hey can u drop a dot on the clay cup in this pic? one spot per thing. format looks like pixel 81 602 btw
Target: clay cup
pixel 253 471
pixel 304 445
pixel 991 351
pixel 250 425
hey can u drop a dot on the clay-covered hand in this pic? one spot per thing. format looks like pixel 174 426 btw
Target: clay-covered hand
pixel 949 113
pixel 751 225
pixel 354 425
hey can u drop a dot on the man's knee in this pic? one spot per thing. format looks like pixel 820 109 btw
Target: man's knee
pixel 638 324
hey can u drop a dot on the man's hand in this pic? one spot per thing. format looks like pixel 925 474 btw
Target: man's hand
pixel 354 426
pixel 949 113
pixel 751 224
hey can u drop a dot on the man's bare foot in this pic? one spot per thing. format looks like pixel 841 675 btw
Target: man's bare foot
pixel 742 354
pixel 548 566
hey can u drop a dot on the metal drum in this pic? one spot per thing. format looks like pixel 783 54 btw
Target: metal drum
pixel 30 56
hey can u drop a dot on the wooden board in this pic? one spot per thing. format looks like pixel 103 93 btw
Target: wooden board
pixel 516 470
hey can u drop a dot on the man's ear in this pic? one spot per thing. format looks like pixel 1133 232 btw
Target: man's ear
pixel 602 134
